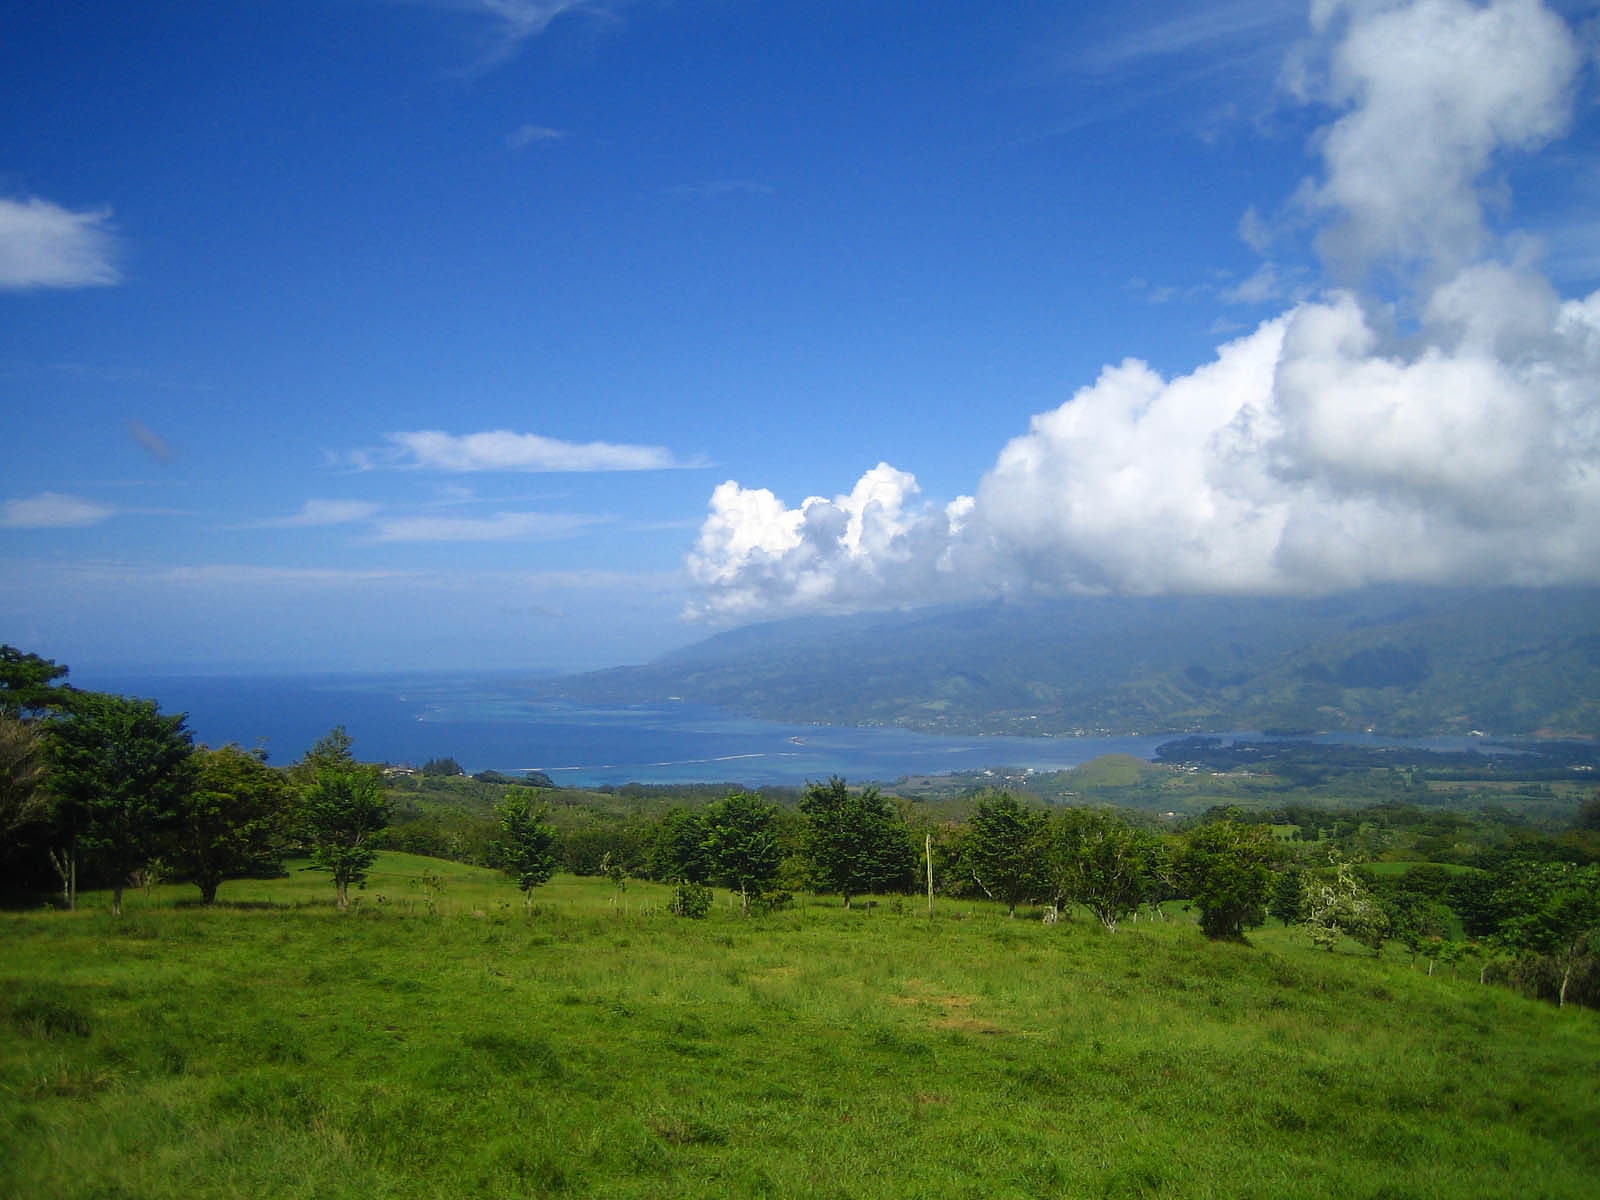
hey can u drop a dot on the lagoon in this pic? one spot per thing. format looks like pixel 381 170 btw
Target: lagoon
pixel 484 722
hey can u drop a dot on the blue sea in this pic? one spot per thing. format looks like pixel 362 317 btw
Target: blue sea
pixel 484 723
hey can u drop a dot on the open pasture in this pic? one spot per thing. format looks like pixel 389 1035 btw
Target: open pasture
pixel 442 1040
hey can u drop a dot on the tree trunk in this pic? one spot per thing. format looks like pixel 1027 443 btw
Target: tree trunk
pixel 1566 978
pixel 116 900
pixel 927 851
pixel 208 891
pixel 65 863
pixel 342 892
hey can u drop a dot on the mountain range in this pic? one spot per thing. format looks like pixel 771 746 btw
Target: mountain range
pixel 1505 662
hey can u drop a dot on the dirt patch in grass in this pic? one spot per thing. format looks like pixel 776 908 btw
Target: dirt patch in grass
pixel 948 1010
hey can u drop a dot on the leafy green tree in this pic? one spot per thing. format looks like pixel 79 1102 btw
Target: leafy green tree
pixel 678 848
pixel 27 684
pixel 527 846
pixel 1341 905
pixel 1104 864
pixel 742 845
pixel 233 824
pixel 120 775
pixel 1418 923
pixel 1288 896
pixel 1226 869
pixel 334 749
pixel 442 768
pixel 1477 898
pixel 1003 849
pixel 1554 911
pixel 340 814
pixel 856 841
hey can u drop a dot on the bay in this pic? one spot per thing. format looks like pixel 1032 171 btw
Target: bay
pixel 485 723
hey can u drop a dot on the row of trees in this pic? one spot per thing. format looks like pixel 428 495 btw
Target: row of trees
pixel 1541 916
pixel 851 842
pixel 110 788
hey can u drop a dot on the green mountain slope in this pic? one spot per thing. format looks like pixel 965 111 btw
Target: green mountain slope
pixel 1505 661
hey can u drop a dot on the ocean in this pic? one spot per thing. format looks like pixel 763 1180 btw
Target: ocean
pixel 483 723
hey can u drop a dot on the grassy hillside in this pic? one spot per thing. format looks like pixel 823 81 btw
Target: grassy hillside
pixel 1412 661
pixel 442 1041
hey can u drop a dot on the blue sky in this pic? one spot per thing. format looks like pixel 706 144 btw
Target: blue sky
pixel 364 334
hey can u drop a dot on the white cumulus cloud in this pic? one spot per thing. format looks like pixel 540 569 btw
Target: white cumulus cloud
pixel 1448 432
pixel 1433 91
pixel 43 245
pixel 754 553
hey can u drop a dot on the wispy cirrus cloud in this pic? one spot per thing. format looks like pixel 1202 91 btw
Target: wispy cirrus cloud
pixel 500 527
pixel 715 189
pixel 1217 30
pixel 524 136
pixel 52 510
pixel 314 513
pixel 505 450
pixel 505 26
pixel 43 245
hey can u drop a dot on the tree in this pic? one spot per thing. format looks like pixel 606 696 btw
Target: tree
pixel 1104 864
pixel 741 845
pixel 120 775
pixel 1002 849
pixel 443 768
pixel 22 775
pixel 333 749
pixel 526 848
pixel 1288 896
pixel 678 848
pixel 1341 905
pixel 340 813
pixel 26 683
pixel 233 823
pixel 1554 911
pixel 856 841
pixel 1226 868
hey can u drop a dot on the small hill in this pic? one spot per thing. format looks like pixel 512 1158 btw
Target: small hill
pixel 1111 771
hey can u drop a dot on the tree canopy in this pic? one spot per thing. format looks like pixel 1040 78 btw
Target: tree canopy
pixel 1226 869
pixel 856 841
pixel 233 823
pixel 341 811
pixel 120 777
pixel 741 844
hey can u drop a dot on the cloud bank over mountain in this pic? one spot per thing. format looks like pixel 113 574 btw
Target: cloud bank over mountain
pixel 1432 416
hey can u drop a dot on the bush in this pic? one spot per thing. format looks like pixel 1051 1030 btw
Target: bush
pixel 690 899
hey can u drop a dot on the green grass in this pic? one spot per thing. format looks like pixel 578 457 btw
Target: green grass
pixel 598 1046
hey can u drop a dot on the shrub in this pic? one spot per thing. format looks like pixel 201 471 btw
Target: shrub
pixel 690 899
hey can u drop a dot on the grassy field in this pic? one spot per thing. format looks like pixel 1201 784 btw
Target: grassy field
pixel 443 1041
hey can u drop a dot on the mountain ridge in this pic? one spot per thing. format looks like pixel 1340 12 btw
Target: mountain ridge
pixel 1412 661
